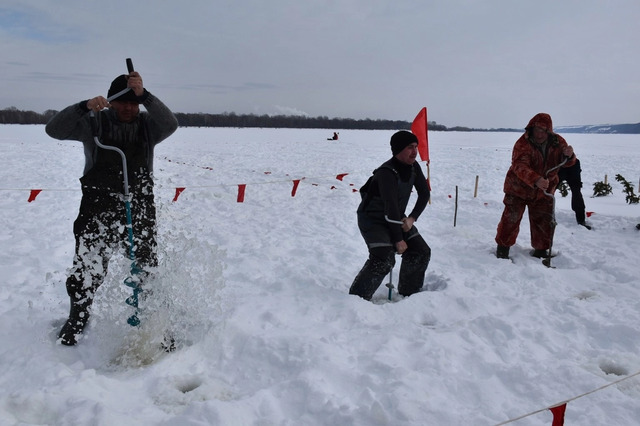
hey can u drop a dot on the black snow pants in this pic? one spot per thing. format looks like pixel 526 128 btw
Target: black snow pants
pixel 101 228
pixel 572 176
pixel 415 260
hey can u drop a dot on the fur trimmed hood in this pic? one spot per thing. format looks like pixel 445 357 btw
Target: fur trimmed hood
pixel 542 120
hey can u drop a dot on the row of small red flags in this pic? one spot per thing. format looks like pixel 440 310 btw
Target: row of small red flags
pixel 241 189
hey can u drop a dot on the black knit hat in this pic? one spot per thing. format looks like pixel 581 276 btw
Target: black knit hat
pixel 400 140
pixel 118 85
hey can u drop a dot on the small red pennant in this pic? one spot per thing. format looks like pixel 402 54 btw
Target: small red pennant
pixel 241 189
pixel 296 182
pixel 34 193
pixel 558 415
pixel 178 192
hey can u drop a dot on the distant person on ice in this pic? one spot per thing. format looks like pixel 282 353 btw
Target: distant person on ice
pixel 386 228
pixel 536 152
pixel 101 219
pixel 334 137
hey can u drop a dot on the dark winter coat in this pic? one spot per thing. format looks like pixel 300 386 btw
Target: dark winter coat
pixel 149 129
pixel 388 192
pixel 102 219
pixel 531 161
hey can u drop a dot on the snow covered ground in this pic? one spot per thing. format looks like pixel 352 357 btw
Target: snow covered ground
pixel 256 292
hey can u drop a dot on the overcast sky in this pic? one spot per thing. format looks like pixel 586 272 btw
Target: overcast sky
pixel 476 63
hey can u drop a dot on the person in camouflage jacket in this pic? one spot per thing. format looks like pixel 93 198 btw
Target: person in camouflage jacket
pixel 535 161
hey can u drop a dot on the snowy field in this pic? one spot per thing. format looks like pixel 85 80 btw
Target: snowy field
pixel 256 292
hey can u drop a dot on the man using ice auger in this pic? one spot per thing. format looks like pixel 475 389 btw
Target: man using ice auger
pixel 386 228
pixel 101 222
pixel 530 183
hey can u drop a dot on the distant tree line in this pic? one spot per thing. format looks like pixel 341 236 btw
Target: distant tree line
pixel 231 119
pixel 13 115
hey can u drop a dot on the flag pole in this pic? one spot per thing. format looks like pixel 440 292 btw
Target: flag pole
pixel 420 127
pixel 429 181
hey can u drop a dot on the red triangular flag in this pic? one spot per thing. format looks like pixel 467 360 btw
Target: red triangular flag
pixel 419 128
pixel 341 176
pixel 296 182
pixel 178 192
pixel 241 189
pixel 558 414
pixel 34 193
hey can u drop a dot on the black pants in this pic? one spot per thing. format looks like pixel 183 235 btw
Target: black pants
pixel 101 228
pixel 572 176
pixel 415 261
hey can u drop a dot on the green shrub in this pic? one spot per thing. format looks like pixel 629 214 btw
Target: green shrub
pixel 628 190
pixel 601 189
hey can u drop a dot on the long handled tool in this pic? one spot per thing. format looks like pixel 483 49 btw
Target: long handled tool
pixel 547 261
pixel 390 283
pixel 133 280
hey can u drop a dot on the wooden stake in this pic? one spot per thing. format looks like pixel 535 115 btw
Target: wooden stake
pixel 475 191
pixel 455 215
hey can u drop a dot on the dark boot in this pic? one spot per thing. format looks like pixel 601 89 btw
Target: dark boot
pixel 78 318
pixel 371 275
pixel 502 252
pixel 541 253
pixel 581 219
